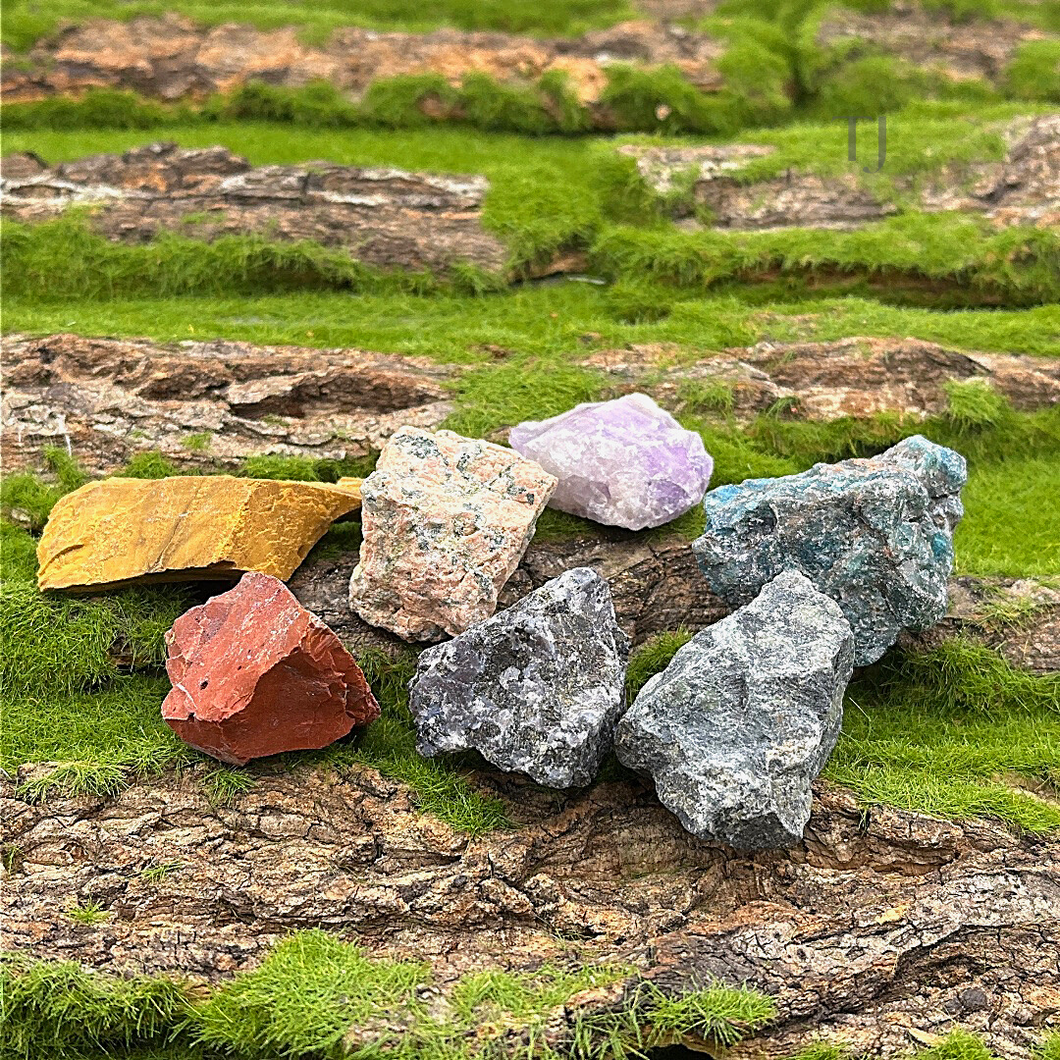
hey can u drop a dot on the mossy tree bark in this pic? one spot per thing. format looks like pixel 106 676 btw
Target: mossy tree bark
pixel 884 929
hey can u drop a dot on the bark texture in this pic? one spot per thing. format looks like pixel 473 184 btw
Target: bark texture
pixel 383 217
pixel 172 58
pixel 1023 188
pixel 108 399
pixel 957 49
pixel 828 380
pixel 882 928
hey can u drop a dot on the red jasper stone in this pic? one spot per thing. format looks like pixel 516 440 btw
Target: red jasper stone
pixel 254 673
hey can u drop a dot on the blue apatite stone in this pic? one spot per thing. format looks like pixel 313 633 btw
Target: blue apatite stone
pixel 875 535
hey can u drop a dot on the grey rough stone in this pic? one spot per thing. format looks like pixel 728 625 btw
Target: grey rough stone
pixel 735 729
pixel 875 535
pixel 535 689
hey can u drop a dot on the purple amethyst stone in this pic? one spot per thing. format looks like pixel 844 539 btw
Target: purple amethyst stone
pixel 625 462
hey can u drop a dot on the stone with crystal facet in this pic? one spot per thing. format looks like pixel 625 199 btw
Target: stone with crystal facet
pixel 445 521
pixel 120 530
pixel 736 728
pixel 624 463
pixel 535 689
pixel 254 673
pixel 876 535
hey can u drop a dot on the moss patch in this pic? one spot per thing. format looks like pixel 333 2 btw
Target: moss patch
pixel 318 997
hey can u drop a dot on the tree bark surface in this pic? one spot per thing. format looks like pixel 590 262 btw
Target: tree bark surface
pixel 388 218
pixel 171 58
pixel 884 929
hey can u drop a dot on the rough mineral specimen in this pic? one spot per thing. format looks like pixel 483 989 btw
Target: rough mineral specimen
pixel 625 462
pixel 445 521
pixel 536 689
pixel 254 673
pixel 875 535
pixel 735 729
pixel 190 526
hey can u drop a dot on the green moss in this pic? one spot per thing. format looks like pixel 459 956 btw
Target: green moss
pixel 651 658
pixel 552 321
pixel 316 996
pixel 659 99
pixel 1016 266
pixel 634 302
pixel 318 104
pixel 883 84
pixel 60 1011
pixel 88 913
pixel 55 645
pixel 408 101
pixel 974 403
pixel 707 396
pixel 484 996
pixel 524 388
pixel 102 738
pixel 1049 1049
pixel 307 469
pixel 822 1051
pixel 18 554
pixel 639 98
pixel 307 996
pixel 1034 73
pixel 1010 518
pixel 945 731
pixel 855 75
pixel 30 499
pixel 98 108
pixel 162 871
pixel 65 258
pixel 487 104
pixel 223 784
pixel 922 139
pixel 550 197
pixel 439 786
pixel 152 464
pixel 957 1045
pixel 719 1013
pixel 959 677
pixel 197 443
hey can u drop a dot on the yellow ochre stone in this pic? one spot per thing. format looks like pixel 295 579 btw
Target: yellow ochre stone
pixel 123 530
pixel 351 484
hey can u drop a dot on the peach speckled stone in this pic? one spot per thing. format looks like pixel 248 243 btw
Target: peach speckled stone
pixel 123 530
pixel 254 673
pixel 446 520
